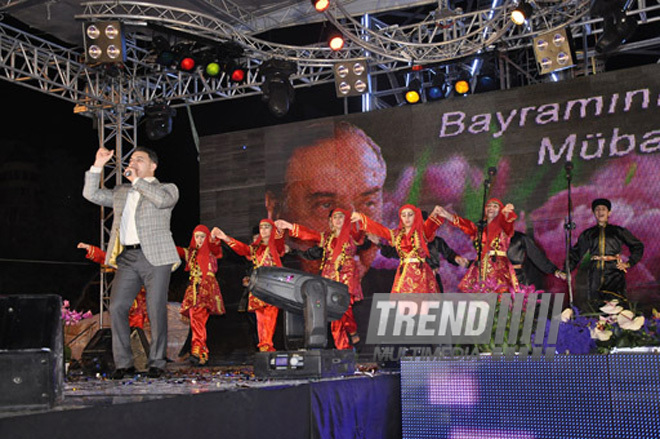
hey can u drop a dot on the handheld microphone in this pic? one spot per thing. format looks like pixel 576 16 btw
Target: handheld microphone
pixel 492 171
pixel 128 173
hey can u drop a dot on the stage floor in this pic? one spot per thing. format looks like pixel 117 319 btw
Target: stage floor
pixel 217 401
pixel 82 390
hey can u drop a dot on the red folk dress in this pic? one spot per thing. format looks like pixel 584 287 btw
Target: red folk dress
pixel 414 274
pixel 261 256
pixel 495 269
pixel 342 268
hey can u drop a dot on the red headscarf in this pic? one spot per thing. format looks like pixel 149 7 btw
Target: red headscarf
pixel 203 252
pixel 496 201
pixel 492 231
pixel 417 225
pixel 344 233
pixel 271 241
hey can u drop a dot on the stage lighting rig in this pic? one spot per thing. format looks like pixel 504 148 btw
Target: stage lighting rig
pixel 277 89
pixel 617 26
pixel 351 78
pixel 158 120
pixel 438 88
pixel 104 42
pixel 521 13
pixel 414 91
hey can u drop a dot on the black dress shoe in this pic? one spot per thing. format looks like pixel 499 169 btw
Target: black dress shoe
pixel 121 372
pixel 155 372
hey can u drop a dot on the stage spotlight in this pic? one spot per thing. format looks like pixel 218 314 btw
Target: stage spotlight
pixel 165 56
pixel 212 69
pixel 462 84
pixel 336 41
pixel 617 26
pixel 486 82
pixel 104 42
pixel 553 51
pixel 187 63
pixel 320 5
pixel 236 73
pixel 158 120
pixel 438 88
pixel 414 92
pixel 522 13
pixel 318 299
pixel 351 78
pixel 277 90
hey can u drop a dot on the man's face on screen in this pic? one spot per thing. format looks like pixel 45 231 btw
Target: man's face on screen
pixel 346 172
pixel 333 174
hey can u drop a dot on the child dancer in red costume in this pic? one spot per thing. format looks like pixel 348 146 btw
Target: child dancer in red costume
pixel 339 263
pixel 202 297
pixel 265 251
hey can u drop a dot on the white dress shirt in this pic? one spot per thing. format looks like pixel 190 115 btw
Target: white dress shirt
pixel 127 229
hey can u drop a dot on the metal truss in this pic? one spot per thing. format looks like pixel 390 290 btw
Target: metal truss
pixel 445 36
pixel 118 132
pixel 116 94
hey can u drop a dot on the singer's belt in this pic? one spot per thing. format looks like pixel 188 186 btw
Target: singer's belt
pixel 496 253
pixel 412 260
pixel 132 247
pixel 606 258
pixel 517 266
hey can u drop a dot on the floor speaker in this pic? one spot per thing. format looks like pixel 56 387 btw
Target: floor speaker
pixel 97 355
pixel 31 351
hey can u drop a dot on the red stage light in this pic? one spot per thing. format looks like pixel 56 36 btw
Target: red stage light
pixel 238 75
pixel 187 63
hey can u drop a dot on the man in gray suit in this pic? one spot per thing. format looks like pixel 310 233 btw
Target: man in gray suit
pixel 142 250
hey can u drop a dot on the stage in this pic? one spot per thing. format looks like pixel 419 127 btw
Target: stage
pixel 218 401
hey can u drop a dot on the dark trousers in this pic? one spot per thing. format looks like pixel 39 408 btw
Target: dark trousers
pixel 134 271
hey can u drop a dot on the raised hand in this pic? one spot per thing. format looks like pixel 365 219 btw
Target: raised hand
pixel 355 217
pixel 442 212
pixel 84 245
pixel 508 208
pixel 283 225
pixel 216 233
pixel 103 155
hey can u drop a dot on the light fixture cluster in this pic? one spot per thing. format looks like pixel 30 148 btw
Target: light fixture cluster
pixel 104 42
pixel 433 83
pixel 351 78
pixel 211 60
pixel 553 51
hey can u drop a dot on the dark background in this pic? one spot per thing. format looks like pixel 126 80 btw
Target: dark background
pixel 45 150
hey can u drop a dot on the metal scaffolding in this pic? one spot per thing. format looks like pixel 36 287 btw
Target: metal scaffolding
pixel 116 96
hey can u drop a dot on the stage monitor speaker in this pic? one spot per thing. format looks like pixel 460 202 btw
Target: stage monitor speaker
pixel 31 351
pixel 317 363
pixel 97 355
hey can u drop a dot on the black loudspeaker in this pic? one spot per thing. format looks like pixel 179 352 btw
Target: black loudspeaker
pixel 97 355
pixel 31 351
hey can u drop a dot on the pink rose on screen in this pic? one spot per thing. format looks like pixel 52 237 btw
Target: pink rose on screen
pixel 444 183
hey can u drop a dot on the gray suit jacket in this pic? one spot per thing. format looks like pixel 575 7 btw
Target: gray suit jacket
pixel 152 217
